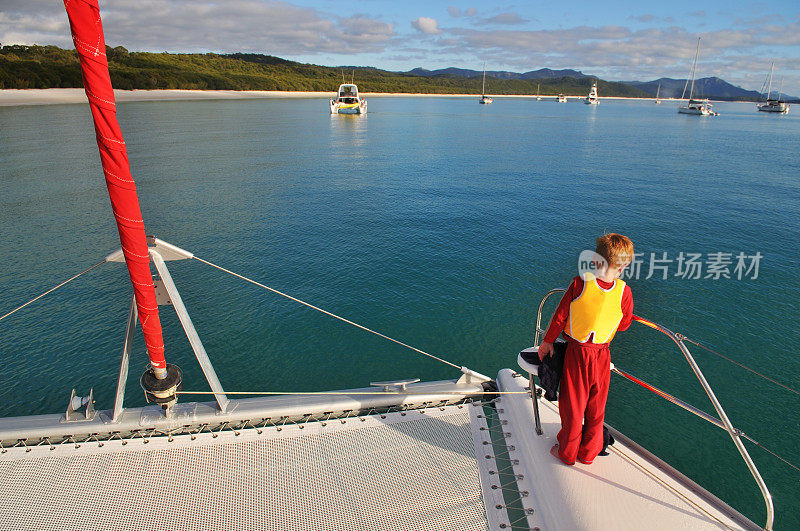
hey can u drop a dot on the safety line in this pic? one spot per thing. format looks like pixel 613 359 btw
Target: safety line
pixel 672 399
pixel 103 261
pixel 273 290
pixel 692 341
pixel 682 337
pixel 345 393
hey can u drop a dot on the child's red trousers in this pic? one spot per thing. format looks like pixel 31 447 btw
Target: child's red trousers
pixel 582 401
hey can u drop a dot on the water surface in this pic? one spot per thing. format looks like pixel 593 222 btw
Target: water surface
pixel 437 221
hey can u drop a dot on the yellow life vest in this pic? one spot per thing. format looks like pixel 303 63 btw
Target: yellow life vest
pixel 596 311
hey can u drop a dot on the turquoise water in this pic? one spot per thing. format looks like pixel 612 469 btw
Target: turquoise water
pixel 436 221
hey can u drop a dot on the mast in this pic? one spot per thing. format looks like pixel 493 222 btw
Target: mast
pixel 769 89
pixel 694 66
pixel 483 89
pixel 87 34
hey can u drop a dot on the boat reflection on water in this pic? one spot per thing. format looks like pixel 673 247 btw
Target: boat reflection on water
pixel 348 134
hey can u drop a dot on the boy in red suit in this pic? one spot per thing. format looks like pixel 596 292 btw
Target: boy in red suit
pixel 592 310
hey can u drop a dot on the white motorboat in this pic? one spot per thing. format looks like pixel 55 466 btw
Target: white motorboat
pixel 775 105
pixel 348 101
pixel 591 98
pixel 462 454
pixel 561 99
pixel 698 107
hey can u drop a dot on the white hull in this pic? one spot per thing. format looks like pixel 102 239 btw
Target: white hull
pixel 693 110
pixel 588 101
pixel 337 108
pixel 697 108
pixel 781 108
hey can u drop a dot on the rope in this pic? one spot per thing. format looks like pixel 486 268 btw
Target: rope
pixel 675 491
pixel 692 341
pixel 273 290
pixel 346 393
pixel 52 289
pixel 672 399
pixel 773 453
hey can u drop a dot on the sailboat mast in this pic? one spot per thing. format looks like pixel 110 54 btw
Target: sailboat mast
pixel 87 34
pixel 483 88
pixel 769 88
pixel 694 67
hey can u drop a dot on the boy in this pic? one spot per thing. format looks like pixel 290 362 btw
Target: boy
pixel 592 310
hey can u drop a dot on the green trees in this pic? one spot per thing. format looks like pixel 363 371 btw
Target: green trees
pixel 50 66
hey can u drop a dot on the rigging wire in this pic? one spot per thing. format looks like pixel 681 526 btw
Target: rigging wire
pixel 692 341
pixel 273 290
pixel 700 413
pixel 346 393
pixel 103 261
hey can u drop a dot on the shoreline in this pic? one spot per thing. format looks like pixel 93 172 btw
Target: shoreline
pixel 55 96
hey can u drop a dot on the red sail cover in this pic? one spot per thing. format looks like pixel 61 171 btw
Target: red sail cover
pixel 87 33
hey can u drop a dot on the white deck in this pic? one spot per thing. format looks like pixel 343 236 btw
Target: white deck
pixel 616 492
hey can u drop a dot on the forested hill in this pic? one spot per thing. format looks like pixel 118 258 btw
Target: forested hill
pixel 52 67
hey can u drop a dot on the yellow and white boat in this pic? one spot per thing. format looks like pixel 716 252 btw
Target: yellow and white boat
pixel 347 101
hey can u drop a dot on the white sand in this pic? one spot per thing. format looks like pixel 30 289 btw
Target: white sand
pixel 77 95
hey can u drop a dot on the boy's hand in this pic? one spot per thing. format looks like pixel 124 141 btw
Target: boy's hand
pixel 544 350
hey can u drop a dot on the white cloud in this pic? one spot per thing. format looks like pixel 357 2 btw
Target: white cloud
pixel 426 25
pixel 504 19
pixel 271 26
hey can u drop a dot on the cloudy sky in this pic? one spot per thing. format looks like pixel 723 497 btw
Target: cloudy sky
pixel 613 39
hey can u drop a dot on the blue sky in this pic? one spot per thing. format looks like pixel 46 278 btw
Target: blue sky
pixel 615 40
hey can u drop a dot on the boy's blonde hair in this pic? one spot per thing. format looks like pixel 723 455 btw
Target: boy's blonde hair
pixel 615 248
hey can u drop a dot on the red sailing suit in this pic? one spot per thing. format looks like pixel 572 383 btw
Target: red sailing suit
pixel 584 382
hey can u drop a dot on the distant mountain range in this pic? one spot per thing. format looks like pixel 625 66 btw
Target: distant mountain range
pixel 23 66
pixel 542 73
pixel 707 87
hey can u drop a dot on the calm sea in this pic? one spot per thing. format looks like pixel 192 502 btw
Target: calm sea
pixel 436 221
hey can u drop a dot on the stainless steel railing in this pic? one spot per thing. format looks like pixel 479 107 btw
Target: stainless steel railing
pixel 723 421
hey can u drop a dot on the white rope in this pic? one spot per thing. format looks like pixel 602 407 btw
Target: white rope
pixel 273 290
pixel 52 289
pixel 345 393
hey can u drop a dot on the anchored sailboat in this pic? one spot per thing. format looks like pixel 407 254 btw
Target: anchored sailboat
pixel 693 106
pixel 658 94
pixel 485 100
pixel 775 105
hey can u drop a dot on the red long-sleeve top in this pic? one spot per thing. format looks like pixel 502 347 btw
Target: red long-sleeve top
pixel 574 290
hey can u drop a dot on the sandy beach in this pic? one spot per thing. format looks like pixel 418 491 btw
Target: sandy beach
pixel 76 95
